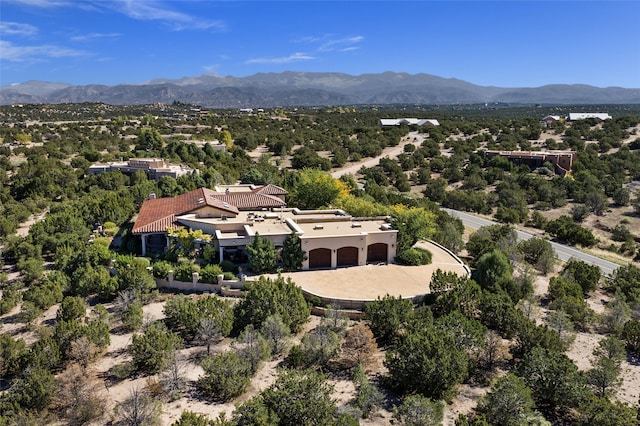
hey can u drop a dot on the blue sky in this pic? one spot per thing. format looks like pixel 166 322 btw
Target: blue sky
pixel 500 43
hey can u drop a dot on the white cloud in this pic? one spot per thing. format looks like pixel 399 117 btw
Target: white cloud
pixel 156 11
pixel 16 28
pixel 13 53
pixel 340 44
pixel 41 3
pixel 144 10
pixel 281 60
pixel 211 69
pixel 94 36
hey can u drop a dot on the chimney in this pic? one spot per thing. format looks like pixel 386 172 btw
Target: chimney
pixel 152 196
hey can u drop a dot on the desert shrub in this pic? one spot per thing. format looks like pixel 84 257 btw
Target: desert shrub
pixel 209 274
pixel 123 370
pixel 185 270
pixel 228 266
pixel 226 375
pixel 161 269
pixel 10 297
pixel 152 349
pixel 110 229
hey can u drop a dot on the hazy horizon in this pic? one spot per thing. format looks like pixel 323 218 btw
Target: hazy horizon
pixel 500 43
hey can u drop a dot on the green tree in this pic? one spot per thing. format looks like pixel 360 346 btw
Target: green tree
pixel 539 253
pixel 388 317
pixel 560 322
pixel 292 254
pixel 492 268
pixel 603 412
pixel 427 361
pixel 149 140
pixel 266 297
pixel 315 189
pixel 254 412
pixel 368 396
pixel 11 352
pixel 413 224
pixel 152 349
pixel 226 375
pixel 32 390
pixel 417 410
pixel 189 418
pixel 617 313
pixel 72 308
pixel 134 276
pixel 253 347
pixel 604 376
pixel 631 336
pixel 554 380
pixel 627 280
pixel 508 402
pixel 301 398
pixel 132 316
pixel 320 345
pixel 276 333
pixel 262 255
pixel 582 273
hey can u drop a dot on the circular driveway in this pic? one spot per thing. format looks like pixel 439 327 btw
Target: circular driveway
pixel 365 283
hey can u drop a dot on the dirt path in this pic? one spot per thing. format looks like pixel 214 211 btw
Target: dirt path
pixel 413 138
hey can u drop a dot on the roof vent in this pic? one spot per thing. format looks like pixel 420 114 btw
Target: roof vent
pixel 226 205
pixel 356 225
pixel 200 200
pixel 318 227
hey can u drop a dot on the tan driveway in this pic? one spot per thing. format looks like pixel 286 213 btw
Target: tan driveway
pixel 370 281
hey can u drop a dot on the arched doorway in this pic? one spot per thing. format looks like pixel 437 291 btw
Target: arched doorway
pixel 347 256
pixel 377 252
pixel 319 258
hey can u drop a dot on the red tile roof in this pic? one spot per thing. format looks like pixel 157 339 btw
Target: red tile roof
pixel 250 200
pixel 157 215
pixel 270 189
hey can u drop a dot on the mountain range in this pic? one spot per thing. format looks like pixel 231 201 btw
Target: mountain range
pixel 312 89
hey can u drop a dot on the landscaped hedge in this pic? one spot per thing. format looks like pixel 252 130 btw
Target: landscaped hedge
pixel 414 257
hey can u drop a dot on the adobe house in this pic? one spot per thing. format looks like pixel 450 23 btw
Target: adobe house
pixel 155 168
pixel 235 214
pixel 562 160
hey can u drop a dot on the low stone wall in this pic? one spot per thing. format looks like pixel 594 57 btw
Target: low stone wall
pixel 230 288
pixel 351 314
pixel 349 304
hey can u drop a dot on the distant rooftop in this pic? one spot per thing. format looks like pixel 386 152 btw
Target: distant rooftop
pixel 600 116
pixel 416 121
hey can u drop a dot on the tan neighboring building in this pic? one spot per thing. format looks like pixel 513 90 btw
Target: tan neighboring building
pixel 562 160
pixel 236 213
pixel 155 168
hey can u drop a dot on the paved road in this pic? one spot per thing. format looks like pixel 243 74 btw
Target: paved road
pixel 564 252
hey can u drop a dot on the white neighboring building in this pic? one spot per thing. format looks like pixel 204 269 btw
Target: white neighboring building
pixel 416 121
pixel 600 116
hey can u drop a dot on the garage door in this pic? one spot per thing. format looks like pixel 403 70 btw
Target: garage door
pixel 377 252
pixel 320 258
pixel 347 256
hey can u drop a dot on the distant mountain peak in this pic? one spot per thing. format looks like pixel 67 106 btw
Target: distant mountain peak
pixel 294 88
